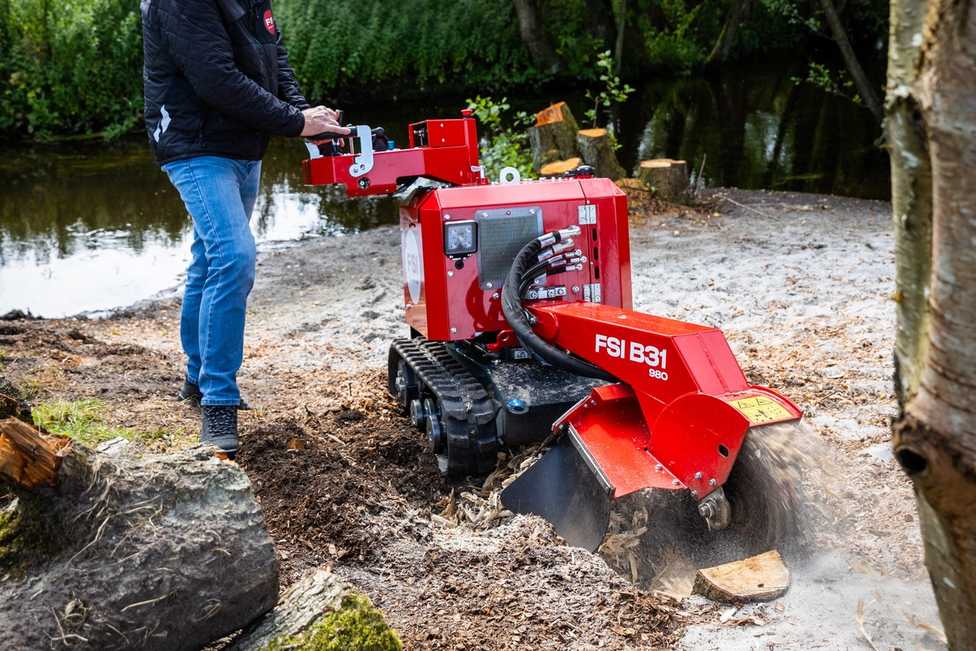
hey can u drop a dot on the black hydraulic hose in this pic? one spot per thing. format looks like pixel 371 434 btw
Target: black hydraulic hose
pixel 517 318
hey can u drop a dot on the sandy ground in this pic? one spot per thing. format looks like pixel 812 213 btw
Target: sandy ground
pixel 799 283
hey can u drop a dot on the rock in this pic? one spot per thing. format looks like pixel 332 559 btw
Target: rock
pixel 321 612
pixel 553 138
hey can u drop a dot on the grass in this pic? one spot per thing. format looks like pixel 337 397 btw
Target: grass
pixel 83 421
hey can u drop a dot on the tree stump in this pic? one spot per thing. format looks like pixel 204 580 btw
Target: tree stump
pixel 117 549
pixel 597 151
pixel 553 138
pixel 757 578
pixel 320 607
pixel 667 178
pixel 558 167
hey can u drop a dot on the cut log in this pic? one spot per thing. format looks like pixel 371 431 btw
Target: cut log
pixel 597 151
pixel 553 138
pixel 127 550
pixel 757 578
pixel 324 608
pixel 667 178
pixel 28 459
pixel 560 167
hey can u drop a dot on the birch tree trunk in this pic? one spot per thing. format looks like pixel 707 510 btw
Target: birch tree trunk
pixel 931 125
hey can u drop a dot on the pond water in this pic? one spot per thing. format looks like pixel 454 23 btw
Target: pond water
pixel 90 227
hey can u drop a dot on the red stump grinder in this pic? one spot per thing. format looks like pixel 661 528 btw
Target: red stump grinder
pixel 518 299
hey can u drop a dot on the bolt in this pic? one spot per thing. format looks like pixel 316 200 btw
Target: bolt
pixel 446 216
pixel 508 212
pixel 659 467
pixel 694 493
pixel 712 482
pixel 698 475
pixel 494 296
pixel 484 214
pixel 489 285
pixel 453 331
pixel 450 273
pixel 576 289
pixel 531 211
pixel 675 482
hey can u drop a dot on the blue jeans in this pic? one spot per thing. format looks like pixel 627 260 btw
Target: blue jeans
pixel 219 194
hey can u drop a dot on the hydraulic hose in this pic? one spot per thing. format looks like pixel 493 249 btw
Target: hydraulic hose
pixel 517 317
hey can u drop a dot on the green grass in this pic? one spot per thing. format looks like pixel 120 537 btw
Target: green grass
pixel 83 421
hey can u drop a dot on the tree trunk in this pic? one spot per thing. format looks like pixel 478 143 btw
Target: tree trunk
pixel 620 19
pixel 726 39
pixel 667 178
pixel 864 87
pixel 534 36
pixel 321 606
pixel 553 138
pixel 931 126
pixel 597 151
pixel 120 549
pixel 560 167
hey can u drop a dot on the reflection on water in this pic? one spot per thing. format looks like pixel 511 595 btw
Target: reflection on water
pixel 94 226
pixel 758 128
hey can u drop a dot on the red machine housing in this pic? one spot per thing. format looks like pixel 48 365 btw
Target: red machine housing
pixel 450 299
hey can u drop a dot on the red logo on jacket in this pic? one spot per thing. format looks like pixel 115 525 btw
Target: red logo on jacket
pixel 269 23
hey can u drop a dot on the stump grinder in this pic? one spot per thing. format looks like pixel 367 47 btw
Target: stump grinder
pixel 518 299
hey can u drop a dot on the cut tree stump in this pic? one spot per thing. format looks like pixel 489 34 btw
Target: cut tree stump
pixel 119 549
pixel 321 605
pixel 667 178
pixel 757 578
pixel 597 151
pixel 553 138
pixel 560 167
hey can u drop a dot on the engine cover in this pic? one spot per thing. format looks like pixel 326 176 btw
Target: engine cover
pixel 458 244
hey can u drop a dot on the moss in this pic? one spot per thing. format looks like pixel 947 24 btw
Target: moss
pixel 356 626
pixel 82 421
pixel 26 534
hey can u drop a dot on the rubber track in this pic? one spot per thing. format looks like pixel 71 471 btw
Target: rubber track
pixel 467 411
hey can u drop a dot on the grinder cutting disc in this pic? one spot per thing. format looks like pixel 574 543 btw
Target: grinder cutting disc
pixel 561 488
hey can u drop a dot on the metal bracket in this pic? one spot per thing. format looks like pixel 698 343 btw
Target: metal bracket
pixel 363 162
pixel 587 214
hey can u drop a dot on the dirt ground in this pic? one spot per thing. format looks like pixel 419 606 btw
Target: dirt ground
pixel 799 283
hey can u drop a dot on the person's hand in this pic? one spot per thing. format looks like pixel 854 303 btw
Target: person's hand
pixel 320 119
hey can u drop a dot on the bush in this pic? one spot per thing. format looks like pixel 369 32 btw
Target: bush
pixel 70 67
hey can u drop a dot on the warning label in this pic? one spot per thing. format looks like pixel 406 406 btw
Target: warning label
pixel 761 409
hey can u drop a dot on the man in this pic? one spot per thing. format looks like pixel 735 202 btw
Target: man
pixel 217 86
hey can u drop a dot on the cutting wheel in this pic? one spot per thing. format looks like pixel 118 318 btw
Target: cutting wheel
pixel 764 492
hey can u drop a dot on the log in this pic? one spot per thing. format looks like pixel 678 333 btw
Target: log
pixel 667 178
pixel 324 608
pixel 553 138
pixel 28 459
pixel 597 151
pixel 757 578
pixel 127 550
pixel 560 167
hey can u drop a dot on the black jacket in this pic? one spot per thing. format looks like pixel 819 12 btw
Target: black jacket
pixel 217 79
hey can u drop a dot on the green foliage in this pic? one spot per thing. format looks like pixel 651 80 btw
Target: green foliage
pixel 356 626
pixel 70 67
pixel 613 92
pixel 82 420
pixel 502 144
pixel 27 534
pixel 831 81
pixel 672 42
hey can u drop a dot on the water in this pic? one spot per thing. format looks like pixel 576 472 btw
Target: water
pixel 89 227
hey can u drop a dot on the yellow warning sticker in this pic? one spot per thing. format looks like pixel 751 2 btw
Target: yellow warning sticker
pixel 761 409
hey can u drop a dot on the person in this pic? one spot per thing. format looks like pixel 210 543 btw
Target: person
pixel 218 85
